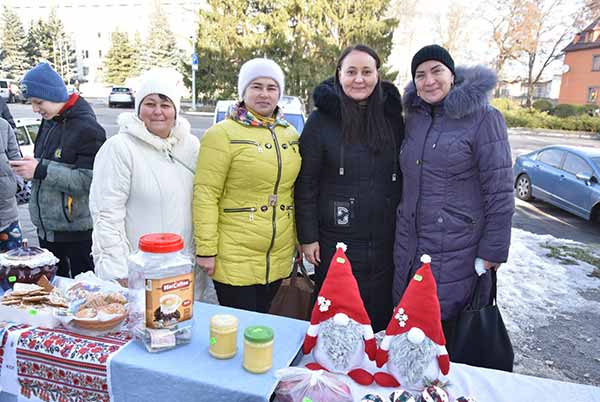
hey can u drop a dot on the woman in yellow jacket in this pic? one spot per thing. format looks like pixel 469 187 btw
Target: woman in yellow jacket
pixel 243 193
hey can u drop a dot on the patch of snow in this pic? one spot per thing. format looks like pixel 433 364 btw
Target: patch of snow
pixel 532 287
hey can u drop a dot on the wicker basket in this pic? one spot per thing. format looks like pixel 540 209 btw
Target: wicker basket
pixel 96 325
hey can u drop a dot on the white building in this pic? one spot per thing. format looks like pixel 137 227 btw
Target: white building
pixel 90 24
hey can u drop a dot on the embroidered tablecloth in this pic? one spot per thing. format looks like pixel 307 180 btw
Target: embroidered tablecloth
pixel 59 366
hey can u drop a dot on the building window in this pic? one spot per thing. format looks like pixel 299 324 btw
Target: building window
pixel 100 53
pixel 596 63
pixel 592 96
pixel 86 71
pixel 99 35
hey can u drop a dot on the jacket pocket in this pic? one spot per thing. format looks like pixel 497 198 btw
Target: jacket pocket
pixel 463 216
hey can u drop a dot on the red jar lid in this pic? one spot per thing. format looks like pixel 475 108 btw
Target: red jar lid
pixel 161 243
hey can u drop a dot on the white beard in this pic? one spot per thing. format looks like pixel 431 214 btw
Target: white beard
pixel 339 348
pixel 411 363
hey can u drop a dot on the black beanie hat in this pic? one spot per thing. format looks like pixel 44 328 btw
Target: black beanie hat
pixel 431 52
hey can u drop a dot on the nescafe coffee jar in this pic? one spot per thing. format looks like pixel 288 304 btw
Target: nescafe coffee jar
pixel 161 292
pixel 26 265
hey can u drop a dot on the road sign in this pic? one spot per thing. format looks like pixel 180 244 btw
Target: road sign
pixel 195 62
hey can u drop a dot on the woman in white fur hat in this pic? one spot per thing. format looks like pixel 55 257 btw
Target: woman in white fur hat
pixel 143 176
pixel 243 193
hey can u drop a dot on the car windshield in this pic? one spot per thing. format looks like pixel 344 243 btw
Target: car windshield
pixel 3 84
pixel 120 90
pixel 596 161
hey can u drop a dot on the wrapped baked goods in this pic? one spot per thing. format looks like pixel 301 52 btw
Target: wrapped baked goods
pixel 95 306
pixel 299 384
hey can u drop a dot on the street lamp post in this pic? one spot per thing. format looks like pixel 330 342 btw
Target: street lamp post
pixel 194 69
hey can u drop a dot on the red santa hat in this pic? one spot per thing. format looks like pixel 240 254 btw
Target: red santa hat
pixel 419 306
pixel 419 314
pixel 339 293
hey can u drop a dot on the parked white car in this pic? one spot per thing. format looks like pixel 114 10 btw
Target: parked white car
pixel 292 107
pixel 26 131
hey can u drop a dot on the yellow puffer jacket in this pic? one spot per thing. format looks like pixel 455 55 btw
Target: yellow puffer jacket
pixel 244 199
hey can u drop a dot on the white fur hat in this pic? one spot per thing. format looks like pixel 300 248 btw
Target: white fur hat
pixel 260 68
pixel 164 81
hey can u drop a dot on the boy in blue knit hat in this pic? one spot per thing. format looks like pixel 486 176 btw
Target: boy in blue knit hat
pixel 61 169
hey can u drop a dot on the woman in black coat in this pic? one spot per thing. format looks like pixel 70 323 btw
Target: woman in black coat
pixel 350 183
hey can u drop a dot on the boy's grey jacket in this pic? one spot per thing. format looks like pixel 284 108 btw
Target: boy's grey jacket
pixel 9 150
pixel 65 148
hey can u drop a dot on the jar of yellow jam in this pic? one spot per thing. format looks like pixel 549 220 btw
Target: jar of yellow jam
pixel 258 349
pixel 223 336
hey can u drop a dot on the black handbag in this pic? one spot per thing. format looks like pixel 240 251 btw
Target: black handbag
pixel 480 337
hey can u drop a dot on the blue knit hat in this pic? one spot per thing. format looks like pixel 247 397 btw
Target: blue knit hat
pixel 44 83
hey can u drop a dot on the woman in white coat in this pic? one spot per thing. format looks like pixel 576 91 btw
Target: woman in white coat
pixel 144 177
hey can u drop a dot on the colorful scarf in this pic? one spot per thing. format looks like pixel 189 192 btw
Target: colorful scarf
pixel 244 115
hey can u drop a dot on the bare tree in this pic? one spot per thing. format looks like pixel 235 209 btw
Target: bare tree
pixel 546 30
pixel 452 28
pixel 507 30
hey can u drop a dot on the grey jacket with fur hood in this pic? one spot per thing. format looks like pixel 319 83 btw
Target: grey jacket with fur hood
pixel 457 190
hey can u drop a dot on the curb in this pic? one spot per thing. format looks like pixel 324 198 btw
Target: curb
pixel 208 114
pixel 564 134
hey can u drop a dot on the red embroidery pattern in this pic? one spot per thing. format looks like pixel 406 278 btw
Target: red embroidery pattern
pixel 60 366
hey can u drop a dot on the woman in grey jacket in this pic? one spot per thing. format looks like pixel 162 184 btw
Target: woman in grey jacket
pixel 10 233
pixel 457 181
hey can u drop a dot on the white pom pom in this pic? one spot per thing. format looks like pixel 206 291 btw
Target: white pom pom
pixel 342 246
pixel 341 319
pixel 425 259
pixel 416 336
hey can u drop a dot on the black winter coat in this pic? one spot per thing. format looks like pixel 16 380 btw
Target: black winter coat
pixel 346 193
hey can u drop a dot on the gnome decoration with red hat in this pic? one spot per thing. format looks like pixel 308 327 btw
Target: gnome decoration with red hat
pixel 414 344
pixel 340 329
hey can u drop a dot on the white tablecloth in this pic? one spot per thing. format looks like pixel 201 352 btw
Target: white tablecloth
pixel 487 385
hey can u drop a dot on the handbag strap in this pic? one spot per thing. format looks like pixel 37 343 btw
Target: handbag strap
pixel 298 268
pixel 475 302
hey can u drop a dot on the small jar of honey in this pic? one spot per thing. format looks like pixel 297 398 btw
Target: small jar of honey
pixel 223 336
pixel 258 349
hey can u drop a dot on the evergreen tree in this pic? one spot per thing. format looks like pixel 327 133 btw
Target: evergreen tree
pixel 47 41
pixel 304 36
pixel 37 39
pixel 118 63
pixel 136 56
pixel 13 57
pixel 61 52
pixel 160 49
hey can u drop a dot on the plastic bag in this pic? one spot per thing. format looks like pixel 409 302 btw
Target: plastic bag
pixel 105 301
pixel 301 384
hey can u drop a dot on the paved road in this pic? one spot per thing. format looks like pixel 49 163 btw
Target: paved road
pixel 536 217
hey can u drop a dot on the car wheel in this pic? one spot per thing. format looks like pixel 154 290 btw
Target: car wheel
pixel 523 187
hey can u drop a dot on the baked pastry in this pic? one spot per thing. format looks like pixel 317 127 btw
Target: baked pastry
pixel 86 313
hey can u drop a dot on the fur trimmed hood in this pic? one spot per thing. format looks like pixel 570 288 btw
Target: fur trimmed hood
pixel 130 123
pixel 327 99
pixel 471 91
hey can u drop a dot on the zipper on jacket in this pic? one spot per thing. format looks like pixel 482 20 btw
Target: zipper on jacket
pixel 273 202
pixel 410 273
pixel 259 147
pixel 251 211
pixel 341 158
pixel 65 206
pixel 37 193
